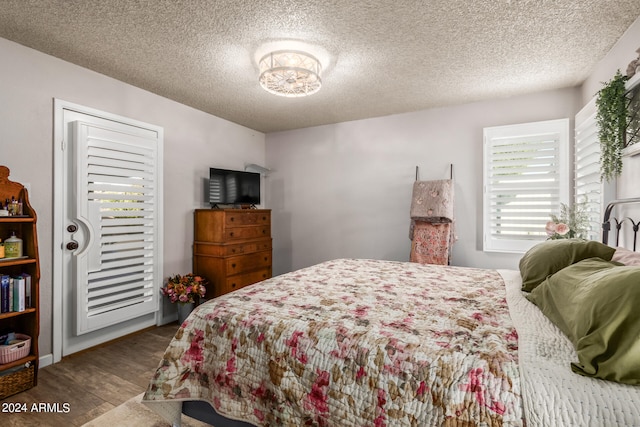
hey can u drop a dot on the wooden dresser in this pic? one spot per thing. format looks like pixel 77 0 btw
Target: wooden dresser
pixel 231 248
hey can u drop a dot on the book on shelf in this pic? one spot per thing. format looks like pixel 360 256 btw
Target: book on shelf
pixel 18 293
pixel 27 290
pixel 10 293
pixel 14 293
pixel 4 293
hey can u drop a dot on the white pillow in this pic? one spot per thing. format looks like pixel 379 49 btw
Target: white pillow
pixel 626 256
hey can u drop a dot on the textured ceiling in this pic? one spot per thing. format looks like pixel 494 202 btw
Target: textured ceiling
pixel 379 57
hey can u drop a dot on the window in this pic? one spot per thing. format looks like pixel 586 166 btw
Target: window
pixel 526 177
pixel 588 187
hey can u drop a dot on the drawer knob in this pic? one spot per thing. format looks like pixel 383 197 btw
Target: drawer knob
pixel 231 234
pixel 266 258
pixel 233 250
pixel 233 285
pixel 232 219
pixel 233 265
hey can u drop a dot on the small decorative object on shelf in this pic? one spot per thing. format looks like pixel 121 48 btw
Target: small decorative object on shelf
pixel 186 291
pixel 13 246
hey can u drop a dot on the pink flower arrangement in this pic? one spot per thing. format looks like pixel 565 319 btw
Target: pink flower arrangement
pixel 557 230
pixel 573 222
pixel 185 288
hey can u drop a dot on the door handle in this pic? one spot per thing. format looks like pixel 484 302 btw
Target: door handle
pixel 72 246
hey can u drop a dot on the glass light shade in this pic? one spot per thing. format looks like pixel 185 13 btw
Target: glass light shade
pixel 290 73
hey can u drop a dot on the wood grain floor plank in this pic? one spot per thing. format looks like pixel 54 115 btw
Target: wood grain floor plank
pixel 92 382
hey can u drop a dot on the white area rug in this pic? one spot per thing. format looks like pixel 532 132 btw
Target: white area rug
pixel 132 413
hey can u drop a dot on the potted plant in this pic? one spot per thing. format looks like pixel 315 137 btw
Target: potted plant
pixel 185 291
pixel 612 117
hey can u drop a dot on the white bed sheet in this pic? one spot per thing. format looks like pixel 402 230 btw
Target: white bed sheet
pixel 554 395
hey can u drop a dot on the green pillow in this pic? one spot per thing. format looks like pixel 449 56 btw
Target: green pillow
pixel 551 256
pixel 595 303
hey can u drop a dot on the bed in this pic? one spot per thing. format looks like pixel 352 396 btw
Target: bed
pixel 353 342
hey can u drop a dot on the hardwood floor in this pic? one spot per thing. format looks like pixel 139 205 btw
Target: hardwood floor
pixel 91 382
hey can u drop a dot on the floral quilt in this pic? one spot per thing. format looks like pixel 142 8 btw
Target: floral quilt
pixel 352 343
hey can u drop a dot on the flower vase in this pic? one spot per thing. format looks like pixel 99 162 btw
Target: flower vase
pixel 184 309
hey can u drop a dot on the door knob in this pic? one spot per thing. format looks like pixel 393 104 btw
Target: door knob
pixel 72 246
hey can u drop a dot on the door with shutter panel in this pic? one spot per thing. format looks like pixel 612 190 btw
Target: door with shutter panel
pixel 115 207
pixel 112 239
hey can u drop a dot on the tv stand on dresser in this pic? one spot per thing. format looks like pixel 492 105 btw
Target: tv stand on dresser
pixel 231 248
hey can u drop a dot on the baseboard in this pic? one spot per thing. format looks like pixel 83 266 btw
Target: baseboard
pixel 45 360
pixel 168 319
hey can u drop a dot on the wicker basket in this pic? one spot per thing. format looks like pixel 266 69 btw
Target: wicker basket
pixel 16 382
pixel 10 353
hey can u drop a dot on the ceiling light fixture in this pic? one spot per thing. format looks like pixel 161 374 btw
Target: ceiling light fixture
pixel 290 73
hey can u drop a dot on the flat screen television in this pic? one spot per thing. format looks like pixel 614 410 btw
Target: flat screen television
pixel 231 187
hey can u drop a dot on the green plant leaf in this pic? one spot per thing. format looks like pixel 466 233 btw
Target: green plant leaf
pixel 612 117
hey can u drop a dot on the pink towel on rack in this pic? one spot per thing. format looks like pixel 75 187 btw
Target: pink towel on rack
pixel 431 243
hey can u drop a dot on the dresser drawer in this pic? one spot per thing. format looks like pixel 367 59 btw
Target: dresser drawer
pixel 242 280
pixel 247 218
pixel 225 249
pixel 242 233
pixel 216 225
pixel 241 264
pixel 249 247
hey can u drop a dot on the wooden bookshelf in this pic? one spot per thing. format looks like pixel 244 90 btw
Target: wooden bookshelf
pixel 26 322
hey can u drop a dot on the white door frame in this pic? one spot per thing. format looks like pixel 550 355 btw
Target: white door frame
pixel 58 221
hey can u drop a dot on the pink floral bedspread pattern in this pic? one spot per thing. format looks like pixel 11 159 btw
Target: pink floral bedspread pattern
pixel 353 343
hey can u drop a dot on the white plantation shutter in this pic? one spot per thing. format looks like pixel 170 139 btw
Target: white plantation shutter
pixel 525 179
pixel 117 201
pixel 587 185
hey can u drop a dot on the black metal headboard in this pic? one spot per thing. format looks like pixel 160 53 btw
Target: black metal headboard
pixel 606 222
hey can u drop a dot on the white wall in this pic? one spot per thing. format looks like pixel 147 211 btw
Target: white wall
pixel 344 190
pixel 194 141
